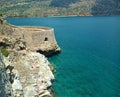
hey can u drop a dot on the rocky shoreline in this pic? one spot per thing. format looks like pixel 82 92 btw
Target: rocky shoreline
pixel 26 70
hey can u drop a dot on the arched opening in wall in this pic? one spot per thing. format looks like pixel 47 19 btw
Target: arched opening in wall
pixel 46 39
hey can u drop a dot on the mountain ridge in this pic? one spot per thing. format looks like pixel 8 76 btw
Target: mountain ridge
pixel 44 8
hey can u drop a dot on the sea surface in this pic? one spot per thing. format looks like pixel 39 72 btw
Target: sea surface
pixel 89 64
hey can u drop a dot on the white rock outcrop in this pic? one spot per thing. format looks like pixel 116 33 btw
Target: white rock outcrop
pixel 35 75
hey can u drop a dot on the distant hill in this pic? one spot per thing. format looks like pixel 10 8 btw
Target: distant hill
pixel 62 3
pixel 106 7
pixel 43 8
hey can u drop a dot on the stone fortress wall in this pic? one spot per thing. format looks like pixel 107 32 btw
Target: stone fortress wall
pixel 36 38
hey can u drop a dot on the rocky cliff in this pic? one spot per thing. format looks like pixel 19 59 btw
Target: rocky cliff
pixel 25 72
pixel 5 85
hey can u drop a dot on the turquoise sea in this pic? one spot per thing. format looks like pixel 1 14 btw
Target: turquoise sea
pixel 89 64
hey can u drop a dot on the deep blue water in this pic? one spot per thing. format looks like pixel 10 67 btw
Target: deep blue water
pixel 89 64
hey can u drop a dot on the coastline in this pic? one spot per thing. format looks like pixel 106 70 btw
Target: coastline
pixel 65 16
pixel 48 16
pixel 31 74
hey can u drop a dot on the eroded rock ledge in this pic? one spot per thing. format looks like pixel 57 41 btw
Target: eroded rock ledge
pixel 27 71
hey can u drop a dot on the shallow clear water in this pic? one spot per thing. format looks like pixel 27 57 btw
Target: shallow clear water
pixel 89 64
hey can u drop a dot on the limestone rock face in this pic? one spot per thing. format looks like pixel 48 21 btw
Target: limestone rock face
pixel 29 75
pixel 10 38
pixel 5 85
pixel 35 74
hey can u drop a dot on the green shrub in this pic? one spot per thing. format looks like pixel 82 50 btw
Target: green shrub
pixel 4 52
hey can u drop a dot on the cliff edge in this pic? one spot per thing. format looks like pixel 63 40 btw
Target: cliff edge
pixel 25 70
